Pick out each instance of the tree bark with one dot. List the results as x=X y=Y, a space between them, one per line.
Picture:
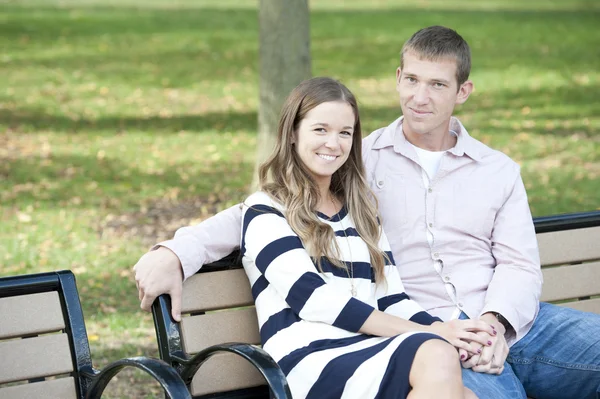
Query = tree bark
x=284 y=62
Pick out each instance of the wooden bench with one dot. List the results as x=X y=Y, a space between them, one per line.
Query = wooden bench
x=218 y=309
x=570 y=255
x=44 y=351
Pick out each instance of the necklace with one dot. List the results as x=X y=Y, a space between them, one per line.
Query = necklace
x=350 y=272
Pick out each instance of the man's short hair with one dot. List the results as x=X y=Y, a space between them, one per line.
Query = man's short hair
x=438 y=42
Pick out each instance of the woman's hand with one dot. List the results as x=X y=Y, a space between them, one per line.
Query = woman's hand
x=460 y=333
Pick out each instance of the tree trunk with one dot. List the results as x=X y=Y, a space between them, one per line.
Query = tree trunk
x=284 y=62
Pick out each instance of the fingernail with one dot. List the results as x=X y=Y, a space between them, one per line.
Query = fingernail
x=493 y=328
x=489 y=342
x=495 y=332
x=478 y=350
x=462 y=357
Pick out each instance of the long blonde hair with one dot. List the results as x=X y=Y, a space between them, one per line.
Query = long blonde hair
x=291 y=183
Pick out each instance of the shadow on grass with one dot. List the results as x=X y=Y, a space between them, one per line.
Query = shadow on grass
x=531 y=109
x=29 y=120
x=579 y=101
x=105 y=184
x=575 y=102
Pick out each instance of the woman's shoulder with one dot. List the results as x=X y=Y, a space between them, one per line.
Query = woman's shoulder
x=262 y=200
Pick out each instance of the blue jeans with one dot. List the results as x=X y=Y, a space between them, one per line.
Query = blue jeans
x=558 y=359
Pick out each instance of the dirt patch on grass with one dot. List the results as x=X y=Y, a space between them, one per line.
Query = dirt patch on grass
x=158 y=220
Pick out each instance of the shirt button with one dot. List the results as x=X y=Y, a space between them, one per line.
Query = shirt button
x=447 y=278
x=436 y=255
x=460 y=305
x=429 y=189
x=380 y=183
x=430 y=224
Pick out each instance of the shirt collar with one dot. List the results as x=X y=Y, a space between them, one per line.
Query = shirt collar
x=393 y=136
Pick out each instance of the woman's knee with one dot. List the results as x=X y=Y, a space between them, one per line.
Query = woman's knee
x=436 y=357
x=439 y=351
x=469 y=394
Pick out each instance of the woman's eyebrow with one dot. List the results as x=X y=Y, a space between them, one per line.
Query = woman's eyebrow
x=327 y=125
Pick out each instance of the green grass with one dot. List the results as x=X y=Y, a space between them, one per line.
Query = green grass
x=122 y=120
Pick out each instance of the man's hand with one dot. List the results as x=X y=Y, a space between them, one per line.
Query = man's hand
x=159 y=272
x=491 y=359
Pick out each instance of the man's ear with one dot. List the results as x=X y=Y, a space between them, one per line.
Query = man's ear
x=464 y=91
x=398 y=77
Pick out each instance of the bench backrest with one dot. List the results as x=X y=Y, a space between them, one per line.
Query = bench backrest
x=38 y=324
x=212 y=314
x=218 y=306
x=570 y=257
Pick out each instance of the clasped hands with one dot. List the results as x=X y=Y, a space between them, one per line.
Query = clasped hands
x=492 y=357
x=488 y=353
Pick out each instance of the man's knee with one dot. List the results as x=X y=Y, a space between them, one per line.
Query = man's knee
x=504 y=386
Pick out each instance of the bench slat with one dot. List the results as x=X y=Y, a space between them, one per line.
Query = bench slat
x=588 y=305
x=225 y=372
x=569 y=246
x=44 y=356
x=239 y=325
x=61 y=388
x=566 y=282
x=33 y=314
x=216 y=290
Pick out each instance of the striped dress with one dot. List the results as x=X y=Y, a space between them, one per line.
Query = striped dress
x=309 y=320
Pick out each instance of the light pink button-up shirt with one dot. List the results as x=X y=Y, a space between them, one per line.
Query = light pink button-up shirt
x=475 y=207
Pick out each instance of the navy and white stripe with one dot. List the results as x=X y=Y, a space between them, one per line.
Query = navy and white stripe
x=308 y=319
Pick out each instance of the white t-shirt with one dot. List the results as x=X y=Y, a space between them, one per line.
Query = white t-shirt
x=430 y=161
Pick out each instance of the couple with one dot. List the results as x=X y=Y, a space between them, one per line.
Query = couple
x=332 y=306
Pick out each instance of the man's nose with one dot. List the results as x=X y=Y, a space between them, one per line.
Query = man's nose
x=421 y=94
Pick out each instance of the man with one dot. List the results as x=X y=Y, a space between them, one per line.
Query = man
x=460 y=228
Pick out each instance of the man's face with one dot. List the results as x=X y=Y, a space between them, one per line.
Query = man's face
x=428 y=94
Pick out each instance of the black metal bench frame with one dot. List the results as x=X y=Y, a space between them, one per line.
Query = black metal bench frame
x=90 y=383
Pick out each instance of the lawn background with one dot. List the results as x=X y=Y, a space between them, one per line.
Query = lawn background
x=121 y=121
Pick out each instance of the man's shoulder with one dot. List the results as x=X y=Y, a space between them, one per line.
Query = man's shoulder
x=371 y=139
x=381 y=137
x=492 y=156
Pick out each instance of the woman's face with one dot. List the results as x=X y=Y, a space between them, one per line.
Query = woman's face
x=324 y=139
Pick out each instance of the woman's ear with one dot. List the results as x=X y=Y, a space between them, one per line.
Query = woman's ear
x=293 y=139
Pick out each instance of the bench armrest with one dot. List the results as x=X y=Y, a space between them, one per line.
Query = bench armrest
x=258 y=357
x=166 y=376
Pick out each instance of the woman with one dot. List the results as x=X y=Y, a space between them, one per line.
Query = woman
x=331 y=307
